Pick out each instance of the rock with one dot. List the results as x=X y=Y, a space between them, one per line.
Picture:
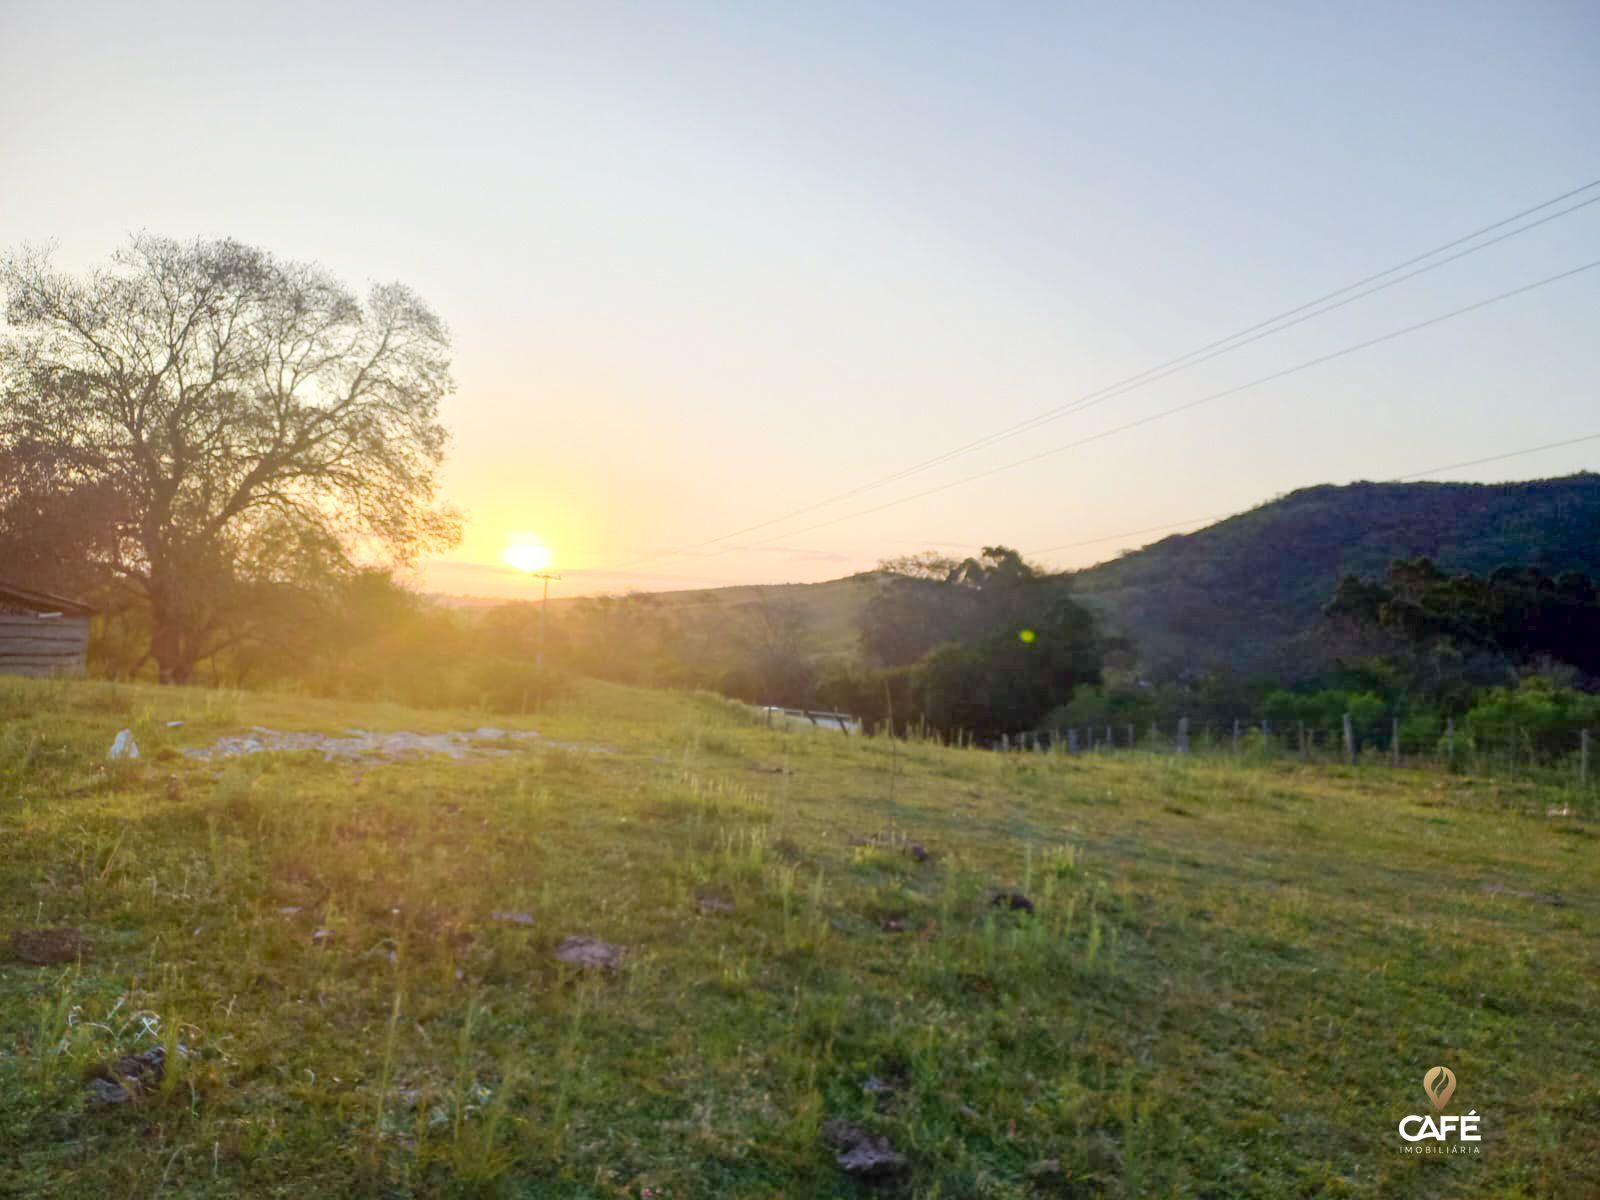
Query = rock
x=1015 y=901
x=917 y=852
x=47 y=947
x=130 y=1077
x=512 y=918
x=894 y=925
x=589 y=952
x=1045 y=1168
x=713 y=906
x=361 y=744
x=123 y=746
x=863 y=1153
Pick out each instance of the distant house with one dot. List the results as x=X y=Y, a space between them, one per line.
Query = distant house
x=41 y=634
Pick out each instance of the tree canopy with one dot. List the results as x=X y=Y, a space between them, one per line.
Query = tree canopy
x=229 y=418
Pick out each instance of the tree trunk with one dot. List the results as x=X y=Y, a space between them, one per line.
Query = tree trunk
x=169 y=644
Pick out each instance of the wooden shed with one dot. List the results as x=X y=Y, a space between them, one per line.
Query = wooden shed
x=41 y=634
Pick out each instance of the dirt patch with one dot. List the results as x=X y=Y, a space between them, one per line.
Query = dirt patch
x=1500 y=889
x=48 y=947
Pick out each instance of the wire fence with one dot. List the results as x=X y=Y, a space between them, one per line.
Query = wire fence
x=1555 y=751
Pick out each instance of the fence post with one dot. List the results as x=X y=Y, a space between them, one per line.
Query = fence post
x=1394 y=741
x=1583 y=760
x=1302 y=739
x=1236 y=735
x=1154 y=734
x=1183 y=735
x=1072 y=741
x=1349 y=742
x=1111 y=741
x=1132 y=741
x=1450 y=742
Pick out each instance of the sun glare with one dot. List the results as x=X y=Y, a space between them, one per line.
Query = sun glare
x=525 y=554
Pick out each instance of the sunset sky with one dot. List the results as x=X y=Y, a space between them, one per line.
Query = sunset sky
x=709 y=264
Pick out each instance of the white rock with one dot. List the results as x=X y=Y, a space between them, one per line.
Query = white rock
x=124 y=746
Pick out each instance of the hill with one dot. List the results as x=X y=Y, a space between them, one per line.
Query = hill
x=1245 y=592
x=832 y=608
x=279 y=974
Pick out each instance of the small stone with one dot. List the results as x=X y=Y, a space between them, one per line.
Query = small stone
x=512 y=918
x=1045 y=1168
x=894 y=925
x=123 y=746
x=321 y=935
x=130 y=1077
x=863 y=1153
x=917 y=852
x=1015 y=901
x=589 y=952
x=47 y=947
x=713 y=906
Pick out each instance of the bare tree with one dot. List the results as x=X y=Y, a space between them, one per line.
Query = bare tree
x=255 y=419
x=779 y=651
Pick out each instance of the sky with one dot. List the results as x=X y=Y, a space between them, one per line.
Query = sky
x=708 y=268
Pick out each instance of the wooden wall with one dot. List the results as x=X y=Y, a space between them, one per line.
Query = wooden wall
x=35 y=645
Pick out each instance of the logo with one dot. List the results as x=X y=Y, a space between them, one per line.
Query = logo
x=1440 y=1084
x=1433 y=1133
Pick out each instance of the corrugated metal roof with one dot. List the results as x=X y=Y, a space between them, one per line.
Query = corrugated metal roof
x=38 y=601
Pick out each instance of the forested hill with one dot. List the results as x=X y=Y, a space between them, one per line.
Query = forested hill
x=1248 y=592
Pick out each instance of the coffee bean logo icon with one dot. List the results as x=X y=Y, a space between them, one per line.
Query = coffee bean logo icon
x=1440 y=1084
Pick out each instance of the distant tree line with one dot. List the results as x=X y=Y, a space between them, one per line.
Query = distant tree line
x=1511 y=656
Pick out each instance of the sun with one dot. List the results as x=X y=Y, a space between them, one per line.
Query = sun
x=527 y=554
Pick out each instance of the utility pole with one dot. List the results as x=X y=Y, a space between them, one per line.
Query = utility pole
x=544 y=603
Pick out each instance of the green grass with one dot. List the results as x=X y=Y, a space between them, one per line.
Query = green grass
x=1234 y=980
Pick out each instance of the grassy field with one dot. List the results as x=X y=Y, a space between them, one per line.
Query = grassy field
x=1232 y=982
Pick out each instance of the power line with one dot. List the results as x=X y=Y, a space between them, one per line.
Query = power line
x=1275 y=325
x=1588 y=437
x=1207 y=399
x=1475 y=462
x=1272 y=325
